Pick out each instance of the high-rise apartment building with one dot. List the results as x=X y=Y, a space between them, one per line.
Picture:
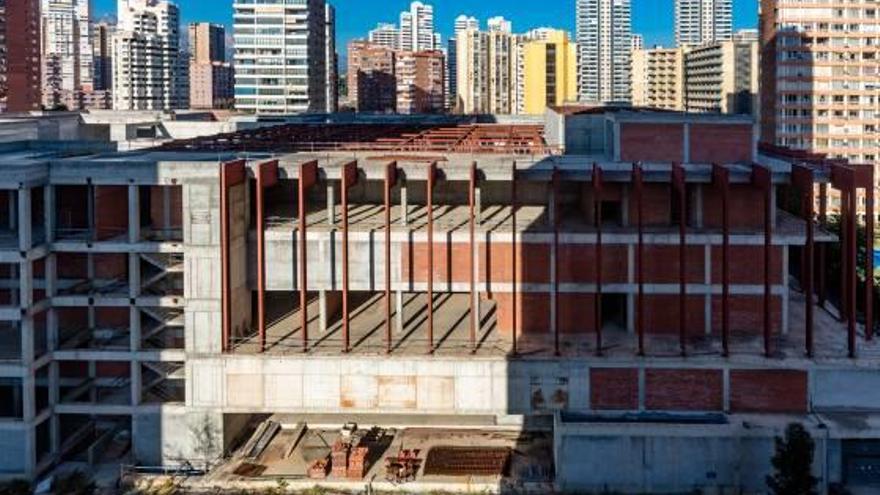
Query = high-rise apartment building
x=19 y=55
x=282 y=60
x=149 y=71
x=486 y=72
x=372 y=85
x=66 y=52
x=820 y=77
x=548 y=72
x=722 y=78
x=604 y=39
x=385 y=34
x=699 y=22
x=499 y=24
x=638 y=42
x=417 y=28
x=102 y=55
x=658 y=78
x=331 y=61
x=420 y=82
x=211 y=78
x=462 y=22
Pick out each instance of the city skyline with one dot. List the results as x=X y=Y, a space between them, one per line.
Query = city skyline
x=354 y=22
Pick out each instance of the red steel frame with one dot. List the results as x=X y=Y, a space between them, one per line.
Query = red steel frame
x=823 y=221
x=349 y=180
x=679 y=183
x=267 y=176
x=597 y=213
x=390 y=182
x=556 y=223
x=231 y=174
x=762 y=177
x=429 y=193
x=472 y=202
x=865 y=180
x=513 y=246
x=845 y=179
x=640 y=307
x=721 y=178
x=308 y=177
x=803 y=178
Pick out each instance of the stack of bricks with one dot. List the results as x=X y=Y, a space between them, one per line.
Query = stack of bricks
x=357 y=463
x=339 y=459
x=318 y=469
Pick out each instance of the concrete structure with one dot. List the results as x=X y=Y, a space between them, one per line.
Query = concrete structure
x=372 y=84
x=699 y=22
x=417 y=28
x=658 y=78
x=548 y=71
x=632 y=309
x=485 y=72
x=20 y=56
x=66 y=52
x=420 y=82
x=211 y=78
x=149 y=72
x=604 y=40
x=722 y=77
x=300 y=83
x=385 y=34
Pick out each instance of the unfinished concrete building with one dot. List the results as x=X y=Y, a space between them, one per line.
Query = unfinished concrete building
x=642 y=293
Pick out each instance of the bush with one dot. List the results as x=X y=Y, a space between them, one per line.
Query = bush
x=793 y=463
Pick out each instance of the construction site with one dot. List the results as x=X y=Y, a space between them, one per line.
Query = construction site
x=458 y=306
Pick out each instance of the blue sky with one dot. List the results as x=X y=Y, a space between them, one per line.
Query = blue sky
x=653 y=18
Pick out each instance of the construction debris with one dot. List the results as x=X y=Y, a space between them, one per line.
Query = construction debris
x=318 y=470
x=261 y=439
x=404 y=467
x=468 y=461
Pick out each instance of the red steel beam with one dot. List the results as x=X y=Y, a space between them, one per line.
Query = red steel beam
x=869 y=257
x=349 y=179
x=823 y=221
x=721 y=178
x=803 y=178
x=597 y=213
x=640 y=274
x=556 y=223
x=231 y=174
x=845 y=179
x=472 y=201
x=680 y=185
x=390 y=181
x=308 y=177
x=513 y=277
x=267 y=176
x=762 y=177
x=429 y=193
x=853 y=245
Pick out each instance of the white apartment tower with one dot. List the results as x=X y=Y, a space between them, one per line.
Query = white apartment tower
x=417 y=28
x=499 y=24
x=385 y=34
x=604 y=38
x=149 y=71
x=462 y=23
x=699 y=22
x=283 y=56
x=485 y=72
x=66 y=51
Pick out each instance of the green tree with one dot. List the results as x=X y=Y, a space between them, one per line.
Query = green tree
x=793 y=463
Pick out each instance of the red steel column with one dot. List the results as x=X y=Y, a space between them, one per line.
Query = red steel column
x=390 y=181
x=853 y=246
x=721 y=177
x=308 y=176
x=432 y=173
x=513 y=245
x=763 y=179
x=845 y=180
x=267 y=176
x=844 y=254
x=231 y=174
x=680 y=184
x=597 y=214
x=556 y=222
x=472 y=200
x=349 y=179
x=869 y=256
x=640 y=308
x=803 y=179
x=823 y=221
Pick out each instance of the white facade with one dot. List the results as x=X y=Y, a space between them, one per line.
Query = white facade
x=499 y=24
x=699 y=22
x=638 y=42
x=66 y=49
x=283 y=56
x=463 y=22
x=604 y=38
x=385 y=34
x=417 y=28
x=149 y=71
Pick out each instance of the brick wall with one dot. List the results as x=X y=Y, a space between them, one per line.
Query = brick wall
x=533 y=313
x=577 y=263
x=747 y=314
x=768 y=391
x=111 y=211
x=661 y=315
x=745 y=204
x=747 y=265
x=651 y=142
x=684 y=390
x=614 y=389
x=656 y=208
x=721 y=143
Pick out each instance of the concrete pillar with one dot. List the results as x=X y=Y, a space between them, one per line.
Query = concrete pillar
x=707 y=281
x=25 y=229
x=631 y=297
x=686 y=151
x=551 y=207
x=10 y=205
x=54 y=399
x=134 y=214
x=26 y=284
x=331 y=203
x=404 y=204
x=697 y=206
x=134 y=275
x=785 y=289
x=26 y=328
x=322 y=309
x=136 y=382
x=399 y=311
x=93 y=373
x=29 y=404
x=49 y=212
x=135 y=333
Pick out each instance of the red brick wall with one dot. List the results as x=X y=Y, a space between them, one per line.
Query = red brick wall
x=656 y=208
x=684 y=390
x=768 y=391
x=111 y=211
x=112 y=369
x=157 y=206
x=532 y=261
x=614 y=389
x=661 y=264
x=747 y=314
x=112 y=317
x=651 y=142
x=533 y=313
x=576 y=313
x=721 y=143
x=111 y=266
x=450 y=261
x=72 y=265
x=577 y=263
x=746 y=207
x=661 y=315
x=747 y=264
